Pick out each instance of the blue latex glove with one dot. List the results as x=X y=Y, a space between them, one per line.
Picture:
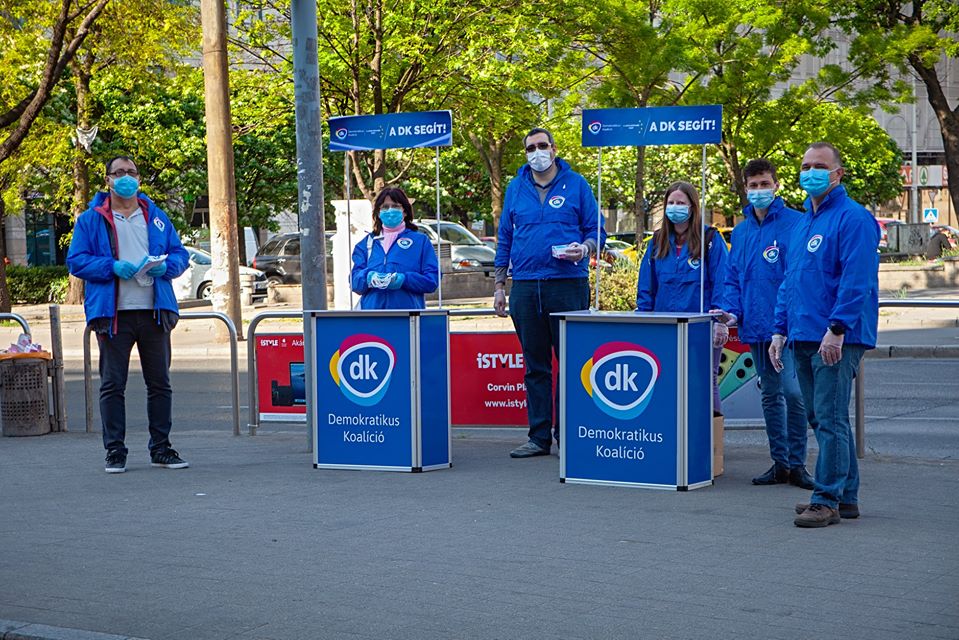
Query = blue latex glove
x=158 y=271
x=124 y=269
x=397 y=280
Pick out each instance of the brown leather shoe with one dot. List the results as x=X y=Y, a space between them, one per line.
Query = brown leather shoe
x=847 y=510
x=817 y=515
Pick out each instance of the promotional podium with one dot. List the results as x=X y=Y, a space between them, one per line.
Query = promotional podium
x=636 y=399
x=381 y=390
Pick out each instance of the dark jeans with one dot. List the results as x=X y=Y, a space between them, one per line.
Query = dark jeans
x=530 y=303
x=827 y=389
x=153 y=345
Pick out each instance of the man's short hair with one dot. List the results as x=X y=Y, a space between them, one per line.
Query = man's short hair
x=109 y=163
x=534 y=131
x=826 y=145
x=759 y=166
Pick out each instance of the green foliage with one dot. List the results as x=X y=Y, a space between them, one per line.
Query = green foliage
x=37 y=285
x=617 y=287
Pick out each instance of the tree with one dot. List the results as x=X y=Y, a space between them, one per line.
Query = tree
x=24 y=25
x=916 y=36
x=635 y=47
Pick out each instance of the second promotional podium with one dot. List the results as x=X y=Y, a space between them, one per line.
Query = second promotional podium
x=636 y=399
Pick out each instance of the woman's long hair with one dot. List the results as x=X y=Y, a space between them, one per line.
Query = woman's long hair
x=398 y=196
x=694 y=234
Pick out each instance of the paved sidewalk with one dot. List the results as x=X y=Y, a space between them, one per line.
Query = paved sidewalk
x=252 y=542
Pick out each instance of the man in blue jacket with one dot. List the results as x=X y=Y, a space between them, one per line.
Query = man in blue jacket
x=129 y=302
x=828 y=306
x=548 y=229
x=754 y=271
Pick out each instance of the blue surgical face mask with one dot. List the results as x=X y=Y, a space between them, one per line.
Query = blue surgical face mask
x=677 y=213
x=126 y=186
x=391 y=217
x=815 y=182
x=761 y=198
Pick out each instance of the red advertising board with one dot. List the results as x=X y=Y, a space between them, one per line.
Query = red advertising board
x=280 y=377
x=486 y=379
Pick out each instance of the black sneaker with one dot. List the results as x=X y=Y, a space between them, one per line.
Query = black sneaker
x=168 y=459
x=116 y=462
x=777 y=474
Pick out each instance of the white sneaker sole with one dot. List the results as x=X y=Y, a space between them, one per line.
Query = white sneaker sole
x=109 y=470
x=180 y=465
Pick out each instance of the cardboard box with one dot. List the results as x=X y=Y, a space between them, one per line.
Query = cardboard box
x=718 y=428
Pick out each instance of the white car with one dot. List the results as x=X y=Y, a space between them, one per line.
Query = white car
x=196 y=282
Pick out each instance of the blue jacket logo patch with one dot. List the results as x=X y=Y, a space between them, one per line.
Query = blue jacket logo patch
x=771 y=254
x=814 y=243
x=159 y=224
x=404 y=243
x=557 y=201
x=693 y=263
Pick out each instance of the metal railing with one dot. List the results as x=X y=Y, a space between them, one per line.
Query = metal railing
x=17 y=318
x=190 y=315
x=860 y=375
x=251 y=360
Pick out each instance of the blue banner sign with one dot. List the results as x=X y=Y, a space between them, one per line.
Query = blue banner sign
x=652 y=126
x=391 y=131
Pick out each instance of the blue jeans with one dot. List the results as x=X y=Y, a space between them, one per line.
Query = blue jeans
x=783 y=409
x=530 y=304
x=828 y=389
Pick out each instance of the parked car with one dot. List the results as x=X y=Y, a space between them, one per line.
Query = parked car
x=489 y=241
x=616 y=250
x=467 y=251
x=279 y=258
x=196 y=282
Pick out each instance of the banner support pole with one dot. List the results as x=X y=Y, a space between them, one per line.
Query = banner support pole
x=439 y=236
x=599 y=221
x=702 y=244
x=349 y=223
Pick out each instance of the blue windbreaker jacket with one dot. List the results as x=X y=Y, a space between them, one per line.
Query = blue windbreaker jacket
x=671 y=283
x=756 y=268
x=411 y=254
x=93 y=251
x=528 y=229
x=832 y=273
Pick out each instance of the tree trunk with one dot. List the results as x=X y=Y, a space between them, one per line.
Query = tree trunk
x=639 y=200
x=82 y=69
x=491 y=152
x=948 y=124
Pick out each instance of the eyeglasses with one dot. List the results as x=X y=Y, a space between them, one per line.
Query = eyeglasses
x=119 y=173
x=542 y=146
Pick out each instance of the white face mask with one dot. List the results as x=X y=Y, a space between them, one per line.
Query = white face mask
x=540 y=160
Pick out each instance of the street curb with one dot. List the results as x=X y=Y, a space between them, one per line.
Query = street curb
x=914 y=351
x=14 y=630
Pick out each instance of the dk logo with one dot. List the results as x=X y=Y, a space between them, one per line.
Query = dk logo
x=620 y=377
x=362 y=368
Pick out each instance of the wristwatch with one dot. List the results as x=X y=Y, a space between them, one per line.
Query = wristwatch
x=837 y=329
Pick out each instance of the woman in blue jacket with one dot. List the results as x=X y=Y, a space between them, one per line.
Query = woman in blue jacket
x=395 y=265
x=669 y=276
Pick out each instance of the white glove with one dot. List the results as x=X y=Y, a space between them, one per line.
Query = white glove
x=727 y=318
x=720 y=334
x=776 y=352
